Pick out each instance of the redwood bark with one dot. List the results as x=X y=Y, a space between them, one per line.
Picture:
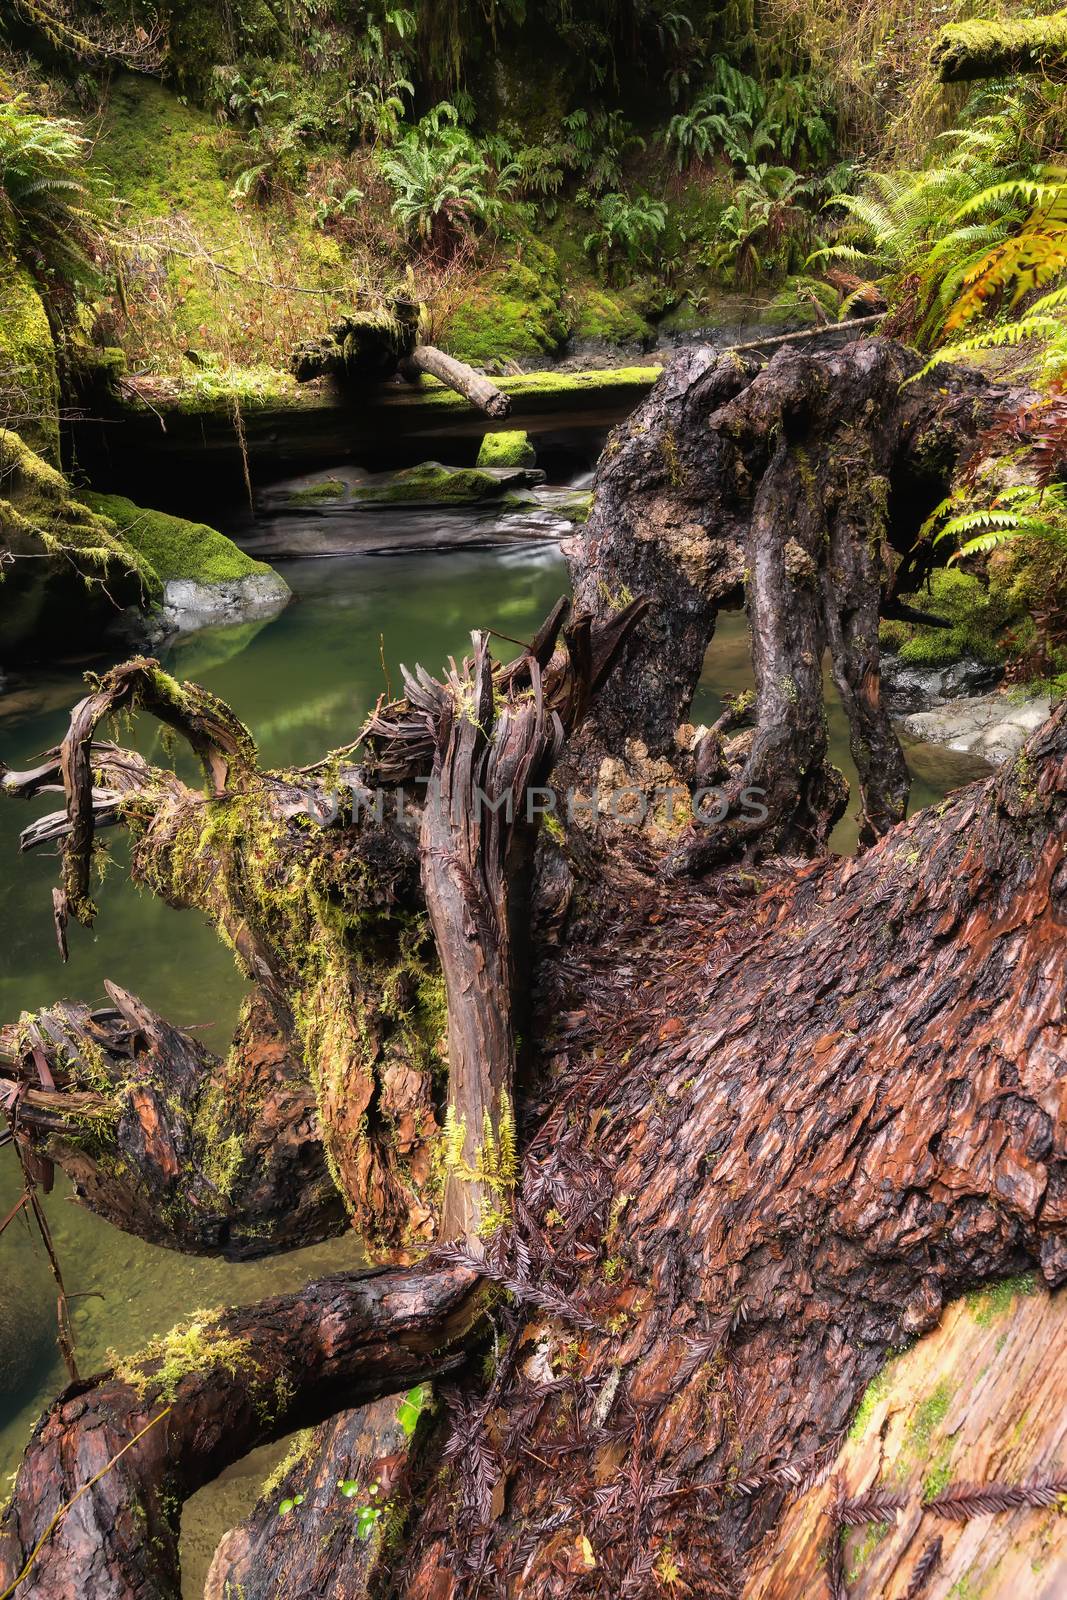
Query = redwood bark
x=283 y=1364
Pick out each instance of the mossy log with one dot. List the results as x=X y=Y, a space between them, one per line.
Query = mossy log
x=365 y=346
x=767 y=1121
x=965 y=51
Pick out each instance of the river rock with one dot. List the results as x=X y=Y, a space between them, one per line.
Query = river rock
x=910 y=688
x=991 y=726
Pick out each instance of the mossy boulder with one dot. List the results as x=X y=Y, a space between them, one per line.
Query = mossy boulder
x=71 y=573
x=515 y=313
x=171 y=546
x=607 y=318
x=29 y=387
x=507 y=449
x=205 y=578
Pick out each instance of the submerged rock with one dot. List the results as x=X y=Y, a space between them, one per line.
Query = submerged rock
x=991 y=726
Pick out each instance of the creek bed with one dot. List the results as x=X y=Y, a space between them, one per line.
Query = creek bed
x=302 y=681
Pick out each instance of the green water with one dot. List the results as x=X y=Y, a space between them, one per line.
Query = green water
x=302 y=682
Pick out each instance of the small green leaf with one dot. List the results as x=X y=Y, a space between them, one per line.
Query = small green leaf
x=285 y=1507
x=298 y=1499
x=411 y=1408
x=348 y=1487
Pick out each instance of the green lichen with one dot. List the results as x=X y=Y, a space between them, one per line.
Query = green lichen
x=989 y=1305
x=509 y=448
x=172 y=546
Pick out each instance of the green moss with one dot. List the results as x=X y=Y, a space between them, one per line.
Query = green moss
x=431 y=483
x=299 y=1449
x=610 y=318
x=508 y=448
x=977 y=613
x=576 y=507
x=928 y=1416
x=38 y=513
x=988 y=1305
x=874 y=1392
x=28 y=382
x=196 y=1345
x=938 y=1478
x=173 y=547
x=990 y=49
x=514 y=313
x=313 y=493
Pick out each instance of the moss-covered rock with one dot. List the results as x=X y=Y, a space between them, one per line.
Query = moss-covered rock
x=508 y=448
x=607 y=318
x=171 y=546
x=71 y=571
x=29 y=388
x=979 y=614
x=515 y=313
x=432 y=484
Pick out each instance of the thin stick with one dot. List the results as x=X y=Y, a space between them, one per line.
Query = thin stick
x=47 y=1534
x=809 y=333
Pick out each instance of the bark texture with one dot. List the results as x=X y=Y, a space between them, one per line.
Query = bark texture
x=792 y=488
x=210 y=1393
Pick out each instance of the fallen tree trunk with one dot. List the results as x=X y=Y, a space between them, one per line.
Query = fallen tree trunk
x=199 y=1401
x=370 y=346
x=966 y=51
x=475 y=386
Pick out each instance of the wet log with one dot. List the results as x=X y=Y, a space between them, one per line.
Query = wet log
x=370 y=346
x=966 y=51
x=786 y=1130
x=222 y=1385
x=474 y=386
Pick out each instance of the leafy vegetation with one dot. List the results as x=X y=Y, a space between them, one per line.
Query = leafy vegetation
x=47 y=205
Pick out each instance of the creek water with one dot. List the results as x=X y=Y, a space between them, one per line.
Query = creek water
x=302 y=681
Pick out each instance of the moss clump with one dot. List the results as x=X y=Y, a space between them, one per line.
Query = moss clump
x=197 y=1345
x=38 y=514
x=173 y=547
x=965 y=51
x=507 y=449
x=28 y=379
x=609 y=318
x=314 y=493
x=432 y=484
x=978 y=615
x=515 y=313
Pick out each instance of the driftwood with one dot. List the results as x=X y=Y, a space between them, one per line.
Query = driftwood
x=767 y=1114
x=369 y=346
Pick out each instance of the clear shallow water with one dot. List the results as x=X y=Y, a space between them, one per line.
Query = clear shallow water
x=302 y=682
